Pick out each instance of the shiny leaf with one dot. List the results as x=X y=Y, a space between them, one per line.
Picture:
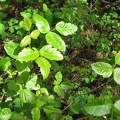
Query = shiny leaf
x=56 y=41
x=12 y=49
x=5 y=114
x=41 y=23
x=117 y=106
x=35 y=113
x=4 y=63
x=59 y=91
x=28 y=54
x=31 y=83
x=44 y=66
x=26 y=96
x=27 y=24
x=51 y=110
x=117 y=75
x=102 y=68
x=35 y=34
x=66 y=85
x=50 y=53
x=66 y=28
x=98 y=107
x=58 y=77
x=25 y=41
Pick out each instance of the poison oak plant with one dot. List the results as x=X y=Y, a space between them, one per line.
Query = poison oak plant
x=26 y=88
x=32 y=83
x=51 y=51
x=2 y=28
x=102 y=106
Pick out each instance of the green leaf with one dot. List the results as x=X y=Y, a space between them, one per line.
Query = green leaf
x=5 y=114
x=44 y=91
x=51 y=110
x=67 y=117
x=2 y=0
x=58 y=77
x=11 y=84
x=22 y=77
x=41 y=23
x=55 y=116
x=66 y=85
x=17 y=116
x=1 y=80
x=17 y=103
x=27 y=24
x=66 y=28
x=56 y=41
x=25 y=15
x=25 y=41
x=35 y=34
x=117 y=58
x=117 y=75
x=102 y=68
x=98 y=107
x=59 y=91
x=45 y=8
x=2 y=28
x=31 y=83
x=35 y=113
x=55 y=66
x=52 y=101
x=77 y=103
x=12 y=49
x=28 y=54
x=41 y=101
x=117 y=106
x=4 y=63
x=26 y=96
x=22 y=66
x=50 y=53
x=44 y=66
